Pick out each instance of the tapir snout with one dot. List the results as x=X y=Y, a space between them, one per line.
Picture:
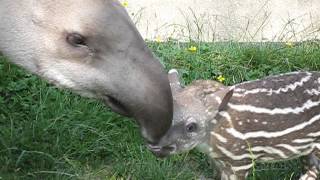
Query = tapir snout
x=93 y=48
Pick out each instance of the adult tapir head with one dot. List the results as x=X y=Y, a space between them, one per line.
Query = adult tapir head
x=93 y=48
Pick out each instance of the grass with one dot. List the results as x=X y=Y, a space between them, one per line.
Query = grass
x=46 y=133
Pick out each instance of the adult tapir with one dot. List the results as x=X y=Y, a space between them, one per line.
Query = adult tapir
x=93 y=48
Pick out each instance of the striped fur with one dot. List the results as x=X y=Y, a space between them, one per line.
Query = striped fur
x=275 y=118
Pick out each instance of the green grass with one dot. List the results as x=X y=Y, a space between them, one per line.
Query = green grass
x=46 y=133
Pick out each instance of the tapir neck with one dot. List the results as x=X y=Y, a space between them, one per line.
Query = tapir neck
x=16 y=30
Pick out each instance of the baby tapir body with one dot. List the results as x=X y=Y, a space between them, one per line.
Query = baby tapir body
x=275 y=118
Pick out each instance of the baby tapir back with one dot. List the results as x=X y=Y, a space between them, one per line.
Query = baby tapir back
x=274 y=118
x=273 y=108
x=270 y=119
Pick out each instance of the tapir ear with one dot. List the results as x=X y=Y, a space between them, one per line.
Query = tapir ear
x=225 y=95
x=174 y=80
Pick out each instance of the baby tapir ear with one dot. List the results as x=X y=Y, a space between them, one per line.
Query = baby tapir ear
x=225 y=96
x=174 y=80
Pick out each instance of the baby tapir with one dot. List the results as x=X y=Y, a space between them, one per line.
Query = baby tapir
x=275 y=118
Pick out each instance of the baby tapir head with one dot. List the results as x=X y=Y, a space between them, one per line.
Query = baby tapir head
x=194 y=107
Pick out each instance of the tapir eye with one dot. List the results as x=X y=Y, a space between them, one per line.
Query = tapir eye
x=76 y=39
x=191 y=127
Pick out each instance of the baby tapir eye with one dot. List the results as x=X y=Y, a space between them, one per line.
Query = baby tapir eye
x=76 y=39
x=191 y=127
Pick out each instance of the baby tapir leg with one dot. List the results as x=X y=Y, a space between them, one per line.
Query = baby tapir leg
x=227 y=172
x=311 y=174
x=313 y=168
x=314 y=160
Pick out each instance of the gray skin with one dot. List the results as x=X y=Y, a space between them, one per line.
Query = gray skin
x=94 y=49
x=190 y=125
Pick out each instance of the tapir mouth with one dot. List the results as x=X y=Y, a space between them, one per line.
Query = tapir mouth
x=162 y=152
x=117 y=106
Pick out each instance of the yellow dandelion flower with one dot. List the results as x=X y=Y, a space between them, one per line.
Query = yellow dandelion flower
x=125 y=3
x=221 y=78
x=289 y=44
x=159 y=40
x=192 y=49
